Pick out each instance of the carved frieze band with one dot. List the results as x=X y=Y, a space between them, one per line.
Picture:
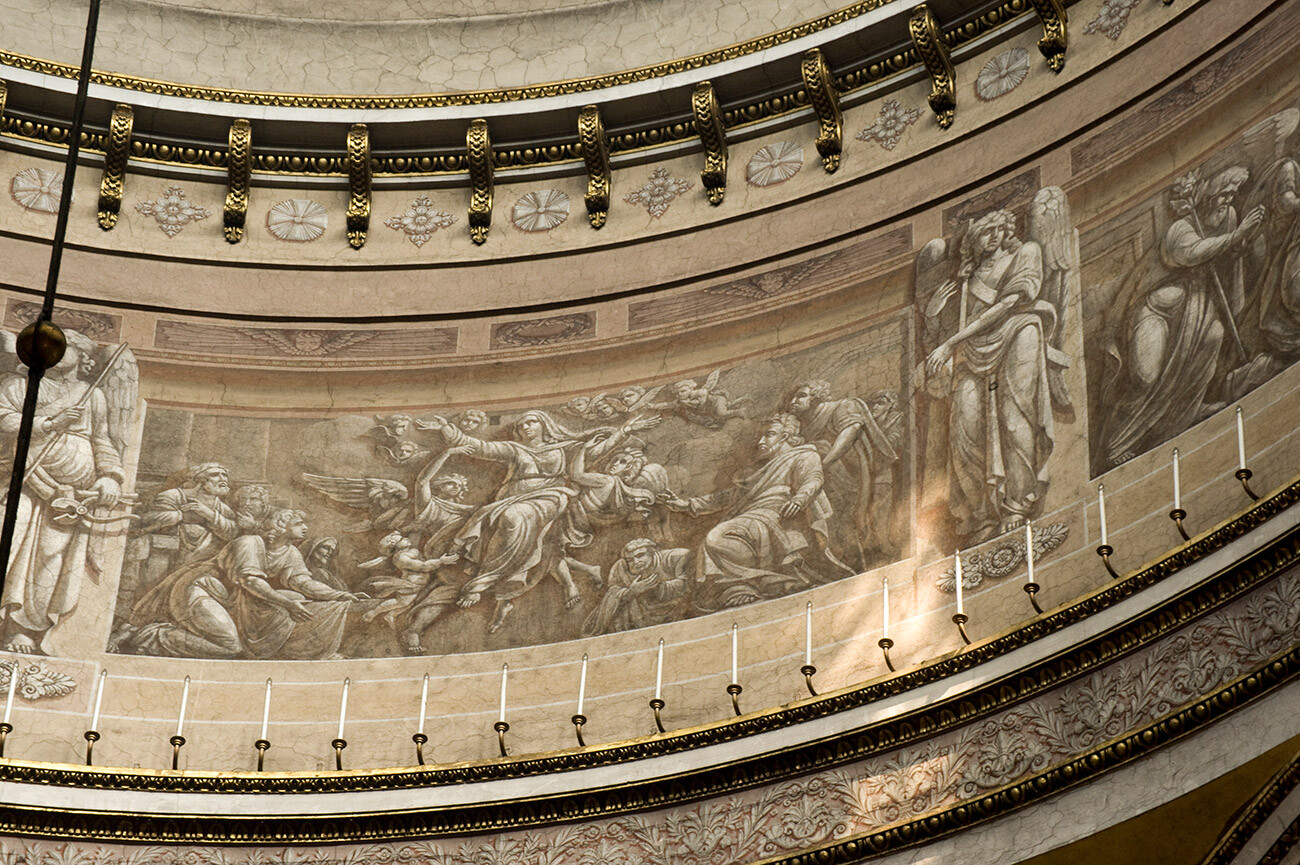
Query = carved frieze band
x=595 y=153
x=239 y=164
x=820 y=86
x=927 y=39
x=116 y=153
x=478 y=152
x=1256 y=815
x=713 y=135
x=1056 y=37
x=358 y=217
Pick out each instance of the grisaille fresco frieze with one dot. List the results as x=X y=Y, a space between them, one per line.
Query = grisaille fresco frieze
x=477 y=528
x=1193 y=298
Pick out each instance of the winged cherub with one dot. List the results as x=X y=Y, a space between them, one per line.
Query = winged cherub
x=704 y=405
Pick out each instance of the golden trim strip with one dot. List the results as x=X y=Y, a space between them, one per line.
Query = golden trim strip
x=1056 y=36
x=359 y=173
x=713 y=135
x=117 y=150
x=1252 y=818
x=820 y=87
x=238 y=174
x=478 y=153
x=593 y=144
x=927 y=39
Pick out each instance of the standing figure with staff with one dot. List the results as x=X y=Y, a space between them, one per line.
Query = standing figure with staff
x=79 y=436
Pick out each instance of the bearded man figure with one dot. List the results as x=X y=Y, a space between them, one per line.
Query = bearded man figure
x=772 y=539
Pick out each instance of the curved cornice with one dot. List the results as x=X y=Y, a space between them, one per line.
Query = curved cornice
x=1220 y=587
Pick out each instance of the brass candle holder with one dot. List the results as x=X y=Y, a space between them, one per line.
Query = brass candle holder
x=92 y=736
x=1031 y=589
x=960 y=620
x=5 y=729
x=419 y=739
x=1244 y=475
x=578 y=721
x=1178 y=515
x=809 y=671
x=338 y=745
x=1105 y=551
x=735 y=691
x=885 y=645
x=501 y=727
x=261 y=745
x=656 y=705
x=176 y=742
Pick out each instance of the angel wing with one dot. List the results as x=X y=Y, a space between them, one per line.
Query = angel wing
x=711 y=383
x=120 y=384
x=369 y=493
x=1049 y=227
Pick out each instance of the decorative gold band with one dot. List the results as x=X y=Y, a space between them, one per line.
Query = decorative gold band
x=927 y=39
x=238 y=175
x=117 y=150
x=708 y=124
x=478 y=151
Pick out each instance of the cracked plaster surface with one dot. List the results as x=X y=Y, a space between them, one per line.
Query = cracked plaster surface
x=390 y=49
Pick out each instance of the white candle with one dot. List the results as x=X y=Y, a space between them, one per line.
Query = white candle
x=424 y=702
x=1101 y=510
x=885 y=631
x=185 y=699
x=659 y=672
x=582 y=684
x=807 y=635
x=1178 y=492
x=505 y=669
x=1241 y=440
x=99 y=699
x=343 y=707
x=1029 y=548
x=266 y=709
x=957 y=581
x=735 y=653
x=13 y=683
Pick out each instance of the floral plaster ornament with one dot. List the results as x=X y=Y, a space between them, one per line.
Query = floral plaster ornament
x=297 y=220
x=37 y=681
x=1002 y=74
x=1112 y=18
x=891 y=123
x=540 y=211
x=659 y=192
x=420 y=221
x=774 y=163
x=37 y=189
x=173 y=211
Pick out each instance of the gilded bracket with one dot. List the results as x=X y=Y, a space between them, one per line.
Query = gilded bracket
x=713 y=135
x=116 y=152
x=927 y=39
x=1056 y=37
x=820 y=87
x=4 y=96
x=358 y=218
x=595 y=153
x=239 y=165
x=478 y=149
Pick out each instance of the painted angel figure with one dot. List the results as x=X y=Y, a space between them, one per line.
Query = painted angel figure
x=84 y=418
x=704 y=405
x=388 y=501
x=995 y=367
x=604 y=407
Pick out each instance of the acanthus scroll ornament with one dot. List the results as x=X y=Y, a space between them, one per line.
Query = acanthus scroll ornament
x=927 y=39
x=239 y=165
x=358 y=216
x=116 y=152
x=1056 y=37
x=713 y=135
x=820 y=87
x=478 y=149
x=595 y=153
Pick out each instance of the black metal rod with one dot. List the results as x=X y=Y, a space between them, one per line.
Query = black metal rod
x=35 y=369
